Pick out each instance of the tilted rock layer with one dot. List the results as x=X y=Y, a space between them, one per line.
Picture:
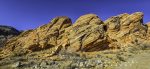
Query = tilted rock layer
x=89 y=33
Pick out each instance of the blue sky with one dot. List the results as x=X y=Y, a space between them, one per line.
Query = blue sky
x=29 y=14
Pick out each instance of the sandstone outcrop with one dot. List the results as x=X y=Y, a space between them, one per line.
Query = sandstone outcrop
x=86 y=34
x=89 y=33
x=125 y=29
x=44 y=37
x=87 y=43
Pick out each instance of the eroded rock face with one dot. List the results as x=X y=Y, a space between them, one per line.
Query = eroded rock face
x=86 y=34
x=7 y=32
x=126 y=29
x=44 y=37
x=89 y=33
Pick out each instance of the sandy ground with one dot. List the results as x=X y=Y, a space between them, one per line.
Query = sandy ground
x=140 y=61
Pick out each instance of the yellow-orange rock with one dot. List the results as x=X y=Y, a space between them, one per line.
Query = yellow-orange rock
x=89 y=33
x=43 y=37
x=126 y=29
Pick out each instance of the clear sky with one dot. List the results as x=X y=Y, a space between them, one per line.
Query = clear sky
x=29 y=14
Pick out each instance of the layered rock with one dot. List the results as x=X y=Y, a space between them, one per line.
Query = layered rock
x=44 y=37
x=89 y=33
x=125 y=29
x=86 y=34
x=7 y=32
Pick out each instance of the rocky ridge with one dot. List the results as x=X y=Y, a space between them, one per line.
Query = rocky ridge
x=86 y=41
x=7 y=32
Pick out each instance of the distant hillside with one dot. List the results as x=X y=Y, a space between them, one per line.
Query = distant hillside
x=6 y=32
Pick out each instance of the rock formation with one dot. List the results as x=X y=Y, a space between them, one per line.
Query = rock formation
x=88 y=34
x=124 y=30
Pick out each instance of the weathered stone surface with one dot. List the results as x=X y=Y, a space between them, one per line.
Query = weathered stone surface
x=148 y=30
x=87 y=37
x=89 y=33
x=87 y=19
x=125 y=29
x=44 y=37
x=86 y=34
x=88 y=43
